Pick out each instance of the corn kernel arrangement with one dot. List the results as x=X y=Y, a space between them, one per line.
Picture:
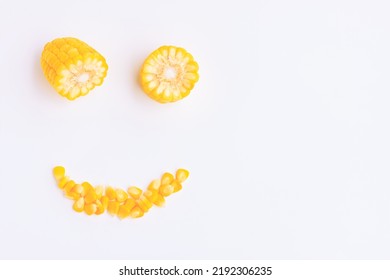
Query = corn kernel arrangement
x=169 y=74
x=132 y=203
x=72 y=67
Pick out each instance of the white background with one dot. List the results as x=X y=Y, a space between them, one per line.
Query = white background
x=286 y=134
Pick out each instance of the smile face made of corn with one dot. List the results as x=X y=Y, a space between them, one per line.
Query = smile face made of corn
x=74 y=68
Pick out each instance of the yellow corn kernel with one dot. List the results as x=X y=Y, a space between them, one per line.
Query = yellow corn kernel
x=104 y=200
x=110 y=193
x=78 y=205
x=167 y=178
x=134 y=202
x=169 y=74
x=121 y=195
x=86 y=187
x=79 y=189
x=69 y=186
x=99 y=192
x=176 y=186
x=91 y=196
x=72 y=195
x=142 y=206
x=113 y=207
x=167 y=190
x=72 y=67
x=154 y=185
x=90 y=209
x=59 y=173
x=144 y=203
x=63 y=181
x=123 y=212
x=160 y=200
x=134 y=192
x=182 y=175
x=136 y=212
x=130 y=203
x=151 y=195
x=99 y=207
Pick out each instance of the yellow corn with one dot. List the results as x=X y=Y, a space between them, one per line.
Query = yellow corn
x=169 y=74
x=144 y=203
x=134 y=192
x=69 y=186
x=121 y=195
x=167 y=190
x=151 y=195
x=91 y=196
x=59 y=173
x=99 y=190
x=154 y=185
x=176 y=186
x=99 y=207
x=159 y=201
x=136 y=212
x=73 y=192
x=113 y=207
x=78 y=206
x=182 y=175
x=63 y=182
x=90 y=208
x=110 y=193
x=167 y=178
x=72 y=67
x=130 y=203
x=123 y=212
x=73 y=195
x=104 y=200
x=133 y=203
x=79 y=189
x=86 y=187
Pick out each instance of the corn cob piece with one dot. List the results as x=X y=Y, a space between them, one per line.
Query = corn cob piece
x=169 y=74
x=134 y=203
x=72 y=67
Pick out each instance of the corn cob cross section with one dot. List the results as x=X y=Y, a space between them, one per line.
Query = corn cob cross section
x=169 y=74
x=132 y=203
x=72 y=67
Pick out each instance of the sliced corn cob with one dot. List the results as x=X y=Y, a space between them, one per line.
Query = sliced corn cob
x=133 y=203
x=72 y=67
x=169 y=74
